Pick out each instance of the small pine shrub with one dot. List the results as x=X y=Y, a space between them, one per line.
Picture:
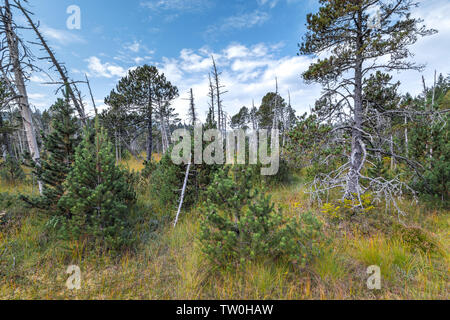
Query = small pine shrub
x=11 y=171
x=98 y=197
x=283 y=175
x=11 y=211
x=57 y=156
x=240 y=224
x=166 y=180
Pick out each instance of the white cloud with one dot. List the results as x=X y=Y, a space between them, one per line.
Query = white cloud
x=106 y=70
x=135 y=47
x=246 y=74
x=238 y=22
x=176 y=5
x=273 y=3
x=246 y=20
x=39 y=79
x=40 y=100
x=270 y=3
x=431 y=51
x=63 y=37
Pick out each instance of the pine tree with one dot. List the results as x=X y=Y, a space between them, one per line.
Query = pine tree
x=58 y=155
x=241 y=119
x=344 y=29
x=11 y=171
x=142 y=91
x=241 y=224
x=98 y=196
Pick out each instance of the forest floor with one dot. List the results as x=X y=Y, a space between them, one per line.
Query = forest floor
x=168 y=263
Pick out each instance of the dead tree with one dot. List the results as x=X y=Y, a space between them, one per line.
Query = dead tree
x=211 y=96
x=221 y=125
x=18 y=82
x=67 y=84
x=183 y=191
x=192 y=112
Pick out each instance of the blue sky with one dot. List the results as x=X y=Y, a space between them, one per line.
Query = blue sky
x=254 y=41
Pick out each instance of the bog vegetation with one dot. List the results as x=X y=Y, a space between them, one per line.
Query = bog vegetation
x=363 y=179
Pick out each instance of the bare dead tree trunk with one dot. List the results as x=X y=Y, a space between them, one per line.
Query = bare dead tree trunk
x=357 y=152
x=164 y=127
x=275 y=108
x=19 y=80
x=253 y=115
x=62 y=72
x=391 y=146
x=434 y=90
x=432 y=105
x=406 y=138
x=150 y=137
x=150 y=123
x=183 y=191
x=92 y=95
x=217 y=86
x=212 y=96
x=192 y=112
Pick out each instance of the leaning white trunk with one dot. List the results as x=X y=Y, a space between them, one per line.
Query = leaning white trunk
x=183 y=191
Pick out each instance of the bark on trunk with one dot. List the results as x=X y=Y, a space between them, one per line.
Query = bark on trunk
x=183 y=191
x=58 y=67
x=20 y=85
x=150 y=137
x=357 y=152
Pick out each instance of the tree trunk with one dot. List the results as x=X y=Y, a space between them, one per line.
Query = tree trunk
x=150 y=122
x=357 y=152
x=183 y=191
x=150 y=137
x=391 y=142
x=57 y=65
x=406 y=138
x=20 y=85
x=116 y=147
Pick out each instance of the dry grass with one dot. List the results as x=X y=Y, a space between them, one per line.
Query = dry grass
x=170 y=265
x=137 y=165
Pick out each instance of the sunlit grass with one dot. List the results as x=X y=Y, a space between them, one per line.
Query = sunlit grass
x=171 y=265
x=137 y=165
x=19 y=188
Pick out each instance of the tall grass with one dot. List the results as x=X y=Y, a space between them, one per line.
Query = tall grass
x=169 y=264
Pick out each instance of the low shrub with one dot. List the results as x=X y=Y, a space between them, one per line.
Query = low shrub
x=240 y=224
x=98 y=195
x=11 y=171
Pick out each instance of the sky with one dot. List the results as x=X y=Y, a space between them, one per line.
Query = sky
x=253 y=41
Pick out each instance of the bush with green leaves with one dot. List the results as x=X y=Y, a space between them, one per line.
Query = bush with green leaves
x=240 y=224
x=98 y=197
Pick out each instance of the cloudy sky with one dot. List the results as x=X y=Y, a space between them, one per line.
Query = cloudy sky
x=253 y=41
